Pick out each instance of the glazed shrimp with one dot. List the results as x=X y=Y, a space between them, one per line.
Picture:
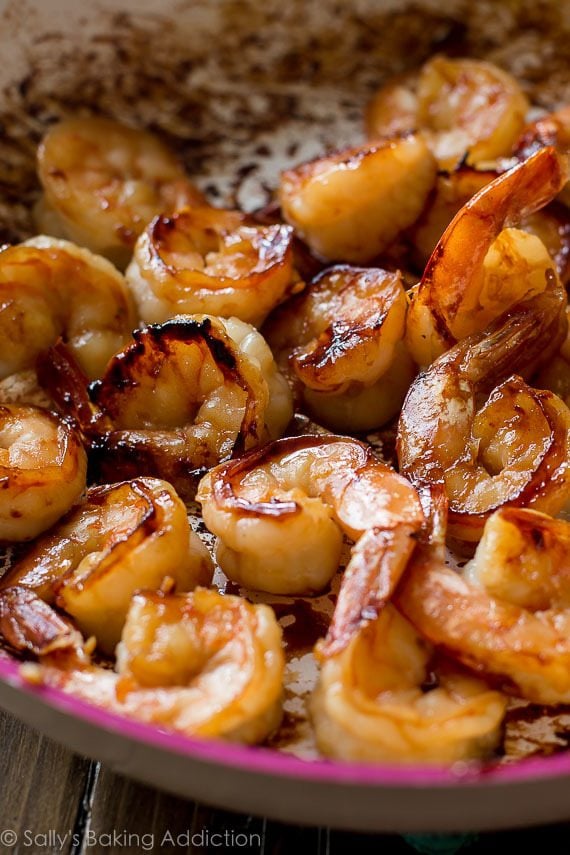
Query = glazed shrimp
x=509 y=616
x=480 y=268
x=119 y=539
x=512 y=450
x=200 y=663
x=461 y=106
x=103 y=182
x=342 y=340
x=43 y=470
x=208 y=260
x=454 y=189
x=181 y=397
x=351 y=205
x=550 y=130
x=51 y=288
x=308 y=491
x=374 y=702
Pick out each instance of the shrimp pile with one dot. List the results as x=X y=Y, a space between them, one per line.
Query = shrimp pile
x=412 y=286
x=204 y=260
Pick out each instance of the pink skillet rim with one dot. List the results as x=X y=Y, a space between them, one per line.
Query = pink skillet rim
x=267 y=761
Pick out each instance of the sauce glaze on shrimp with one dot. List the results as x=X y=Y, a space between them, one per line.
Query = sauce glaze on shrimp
x=342 y=341
x=121 y=538
x=309 y=491
x=204 y=260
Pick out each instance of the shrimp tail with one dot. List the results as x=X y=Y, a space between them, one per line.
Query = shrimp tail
x=376 y=566
x=29 y=625
x=68 y=386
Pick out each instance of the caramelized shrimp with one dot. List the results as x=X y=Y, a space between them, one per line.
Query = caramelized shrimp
x=349 y=206
x=550 y=130
x=481 y=266
x=200 y=663
x=208 y=260
x=51 y=288
x=509 y=616
x=454 y=189
x=181 y=397
x=342 y=340
x=121 y=538
x=308 y=491
x=372 y=702
x=514 y=449
x=103 y=182
x=461 y=106
x=42 y=471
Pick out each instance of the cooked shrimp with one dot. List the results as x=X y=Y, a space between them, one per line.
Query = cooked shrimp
x=342 y=339
x=208 y=260
x=198 y=664
x=308 y=491
x=556 y=373
x=349 y=206
x=121 y=538
x=462 y=107
x=454 y=189
x=103 y=182
x=523 y=558
x=552 y=129
x=479 y=268
x=181 y=397
x=42 y=471
x=51 y=288
x=372 y=704
x=512 y=450
x=509 y=616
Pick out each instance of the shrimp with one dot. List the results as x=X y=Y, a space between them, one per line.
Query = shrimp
x=550 y=130
x=479 y=268
x=376 y=701
x=119 y=539
x=103 y=182
x=181 y=397
x=514 y=449
x=208 y=260
x=349 y=206
x=197 y=663
x=43 y=470
x=508 y=616
x=51 y=288
x=461 y=106
x=309 y=491
x=342 y=340
x=454 y=189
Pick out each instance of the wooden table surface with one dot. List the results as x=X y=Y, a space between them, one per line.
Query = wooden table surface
x=53 y=801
